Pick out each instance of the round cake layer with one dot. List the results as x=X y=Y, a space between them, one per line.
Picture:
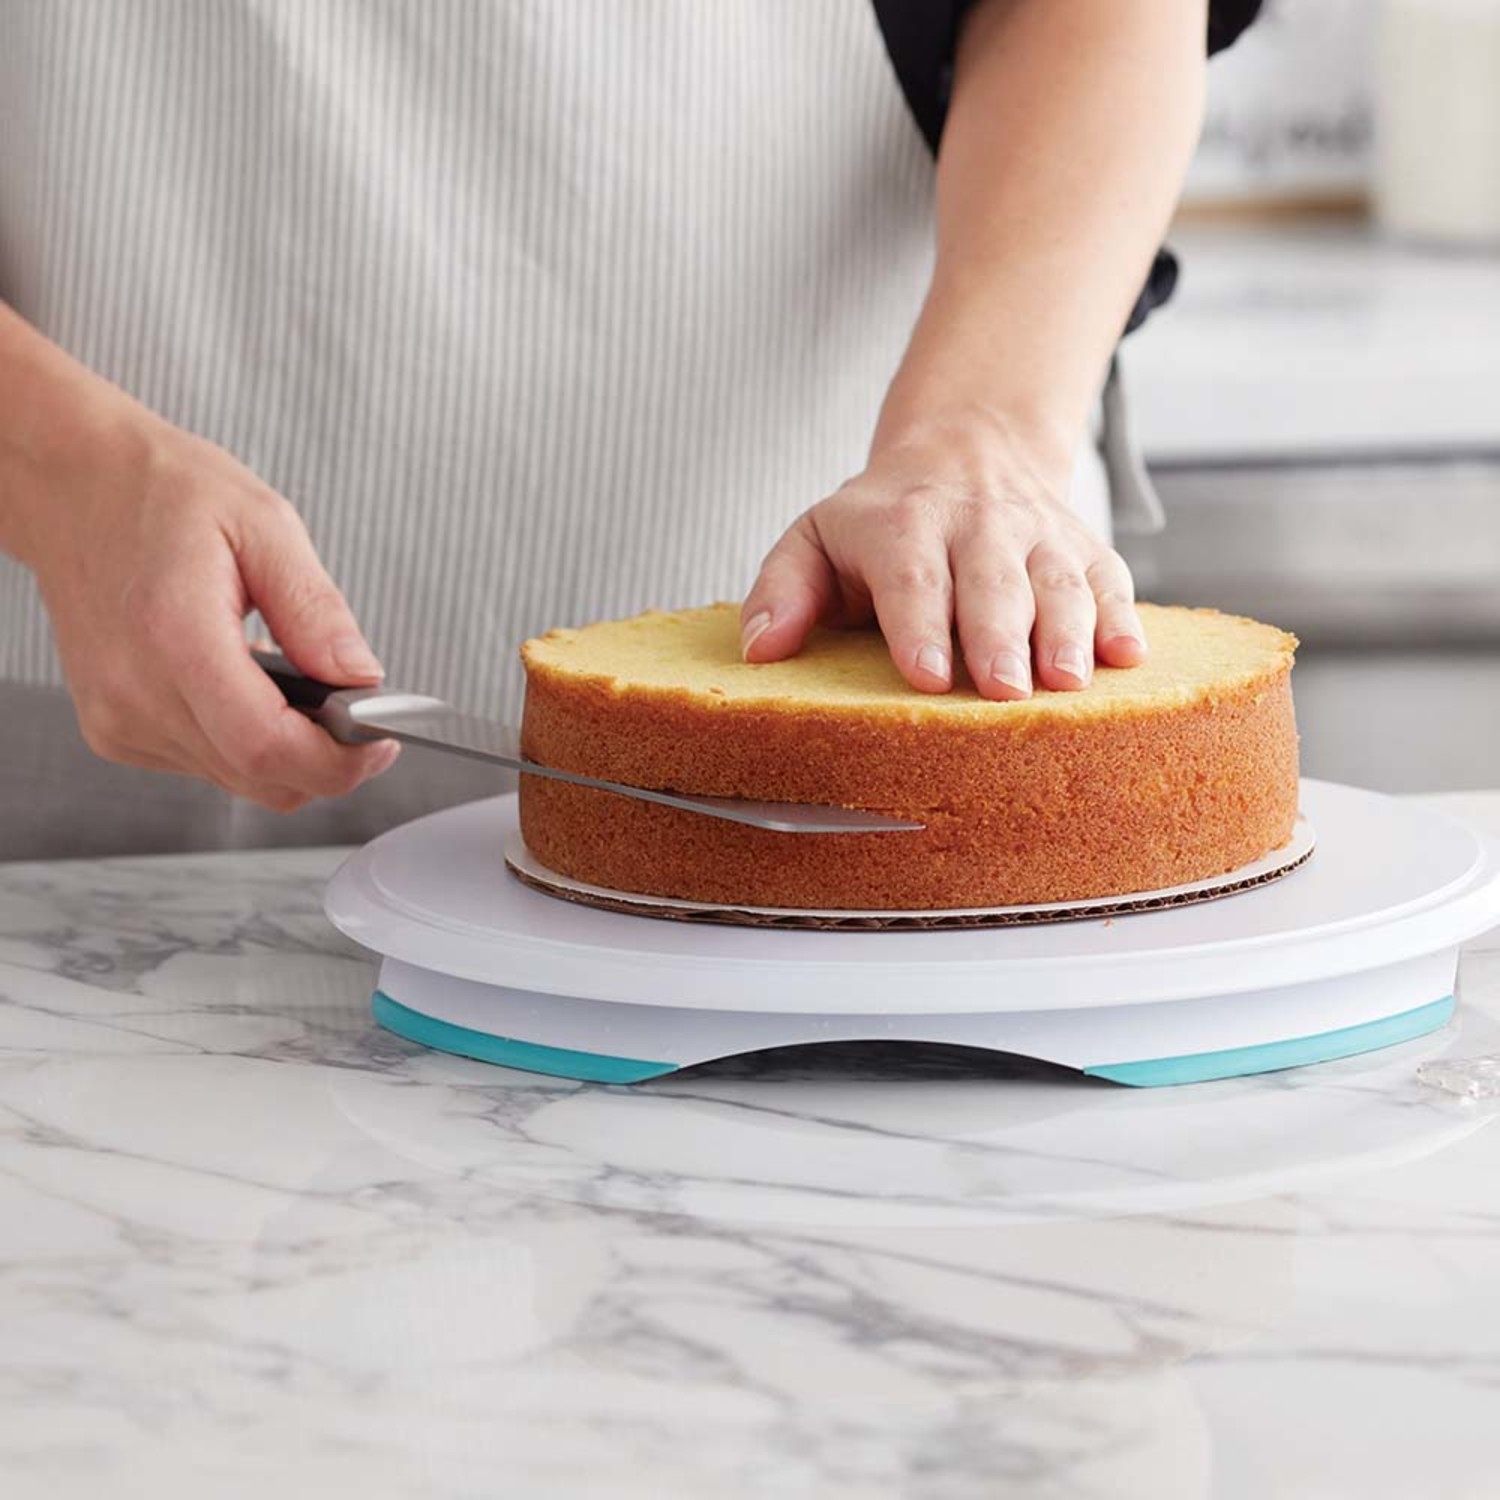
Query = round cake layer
x=1173 y=771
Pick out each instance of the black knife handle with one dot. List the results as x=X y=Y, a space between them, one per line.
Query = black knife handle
x=302 y=692
x=327 y=706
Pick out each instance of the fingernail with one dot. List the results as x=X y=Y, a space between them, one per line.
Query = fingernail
x=1070 y=659
x=355 y=659
x=755 y=627
x=934 y=661
x=1012 y=670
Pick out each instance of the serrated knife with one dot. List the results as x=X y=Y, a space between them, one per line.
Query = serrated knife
x=354 y=716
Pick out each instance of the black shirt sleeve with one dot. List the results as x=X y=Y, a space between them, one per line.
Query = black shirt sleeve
x=921 y=36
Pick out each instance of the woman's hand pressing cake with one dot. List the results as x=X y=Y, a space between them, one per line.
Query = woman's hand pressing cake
x=944 y=540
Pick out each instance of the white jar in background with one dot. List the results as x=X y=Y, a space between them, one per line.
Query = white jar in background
x=1437 y=159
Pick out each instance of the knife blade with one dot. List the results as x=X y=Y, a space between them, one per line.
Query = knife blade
x=354 y=716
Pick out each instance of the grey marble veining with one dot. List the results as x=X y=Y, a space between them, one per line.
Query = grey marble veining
x=250 y=1244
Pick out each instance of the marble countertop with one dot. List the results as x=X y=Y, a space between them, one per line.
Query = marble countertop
x=250 y=1244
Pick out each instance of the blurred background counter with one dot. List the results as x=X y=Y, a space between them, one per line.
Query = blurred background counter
x=1320 y=406
x=1320 y=410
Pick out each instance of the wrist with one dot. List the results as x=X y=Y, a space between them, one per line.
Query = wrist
x=995 y=447
x=979 y=376
x=62 y=425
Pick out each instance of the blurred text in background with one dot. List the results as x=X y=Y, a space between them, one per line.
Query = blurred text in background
x=1320 y=406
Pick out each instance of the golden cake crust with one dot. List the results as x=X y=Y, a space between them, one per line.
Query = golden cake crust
x=1174 y=771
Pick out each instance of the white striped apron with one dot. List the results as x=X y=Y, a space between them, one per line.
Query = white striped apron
x=540 y=311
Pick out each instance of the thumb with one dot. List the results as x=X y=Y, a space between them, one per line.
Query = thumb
x=796 y=587
x=300 y=603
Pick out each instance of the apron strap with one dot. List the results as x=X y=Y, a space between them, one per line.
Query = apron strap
x=1135 y=505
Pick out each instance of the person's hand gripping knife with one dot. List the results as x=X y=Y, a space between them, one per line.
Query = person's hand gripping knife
x=1070 y=129
x=150 y=546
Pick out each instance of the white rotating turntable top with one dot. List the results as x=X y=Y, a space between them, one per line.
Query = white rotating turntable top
x=1354 y=950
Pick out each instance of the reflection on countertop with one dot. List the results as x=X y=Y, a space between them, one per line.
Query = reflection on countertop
x=251 y=1240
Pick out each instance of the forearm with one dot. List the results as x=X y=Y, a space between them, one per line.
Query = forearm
x=1070 y=129
x=55 y=416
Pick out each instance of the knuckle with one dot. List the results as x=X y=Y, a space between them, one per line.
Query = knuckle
x=1059 y=579
x=268 y=519
x=101 y=739
x=994 y=581
x=774 y=557
x=261 y=756
x=1110 y=574
x=307 y=598
x=270 y=506
x=912 y=576
x=918 y=508
x=969 y=509
x=336 y=780
x=787 y=561
x=1011 y=501
x=290 y=525
x=103 y=723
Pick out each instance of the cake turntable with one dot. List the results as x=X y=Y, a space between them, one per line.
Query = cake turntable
x=1351 y=950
